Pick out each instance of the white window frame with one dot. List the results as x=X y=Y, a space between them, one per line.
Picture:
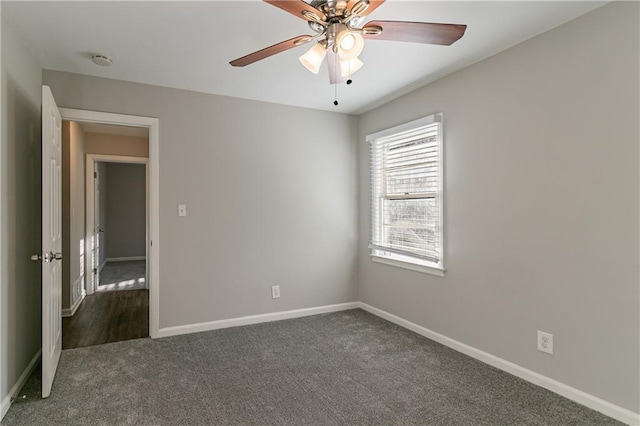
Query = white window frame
x=395 y=259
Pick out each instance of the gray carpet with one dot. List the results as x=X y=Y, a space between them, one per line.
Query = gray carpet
x=126 y=275
x=345 y=368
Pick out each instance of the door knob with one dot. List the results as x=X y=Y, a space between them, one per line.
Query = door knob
x=46 y=257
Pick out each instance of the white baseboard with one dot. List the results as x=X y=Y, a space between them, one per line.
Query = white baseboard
x=254 y=319
x=102 y=266
x=125 y=259
x=588 y=400
x=69 y=312
x=6 y=401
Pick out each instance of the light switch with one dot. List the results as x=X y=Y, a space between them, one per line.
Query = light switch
x=182 y=209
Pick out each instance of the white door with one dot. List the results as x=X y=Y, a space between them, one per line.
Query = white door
x=93 y=225
x=51 y=239
x=97 y=226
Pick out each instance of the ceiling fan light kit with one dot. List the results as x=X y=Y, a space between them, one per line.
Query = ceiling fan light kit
x=348 y=68
x=349 y=44
x=314 y=57
x=336 y=25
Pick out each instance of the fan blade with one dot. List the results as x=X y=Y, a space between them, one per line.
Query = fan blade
x=373 y=5
x=271 y=50
x=296 y=7
x=335 y=73
x=417 y=32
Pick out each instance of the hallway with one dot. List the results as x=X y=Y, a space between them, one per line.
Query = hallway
x=106 y=317
x=111 y=314
x=127 y=275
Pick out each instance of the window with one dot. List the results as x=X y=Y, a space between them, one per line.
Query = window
x=406 y=195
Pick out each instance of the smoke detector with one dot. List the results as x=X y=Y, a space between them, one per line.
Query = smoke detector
x=101 y=60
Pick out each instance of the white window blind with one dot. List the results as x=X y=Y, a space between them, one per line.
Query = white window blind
x=406 y=192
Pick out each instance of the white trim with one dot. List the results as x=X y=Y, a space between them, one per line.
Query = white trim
x=3 y=346
x=69 y=312
x=106 y=118
x=153 y=262
x=153 y=196
x=125 y=259
x=408 y=265
x=101 y=267
x=17 y=387
x=420 y=122
x=254 y=319
x=576 y=395
x=104 y=158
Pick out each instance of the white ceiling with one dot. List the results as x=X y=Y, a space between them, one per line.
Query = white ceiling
x=188 y=45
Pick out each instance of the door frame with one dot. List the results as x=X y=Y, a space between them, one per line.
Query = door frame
x=91 y=160
x=153 y=194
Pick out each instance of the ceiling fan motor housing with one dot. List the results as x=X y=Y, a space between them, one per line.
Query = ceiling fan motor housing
x=337 y=11
x=331 y=8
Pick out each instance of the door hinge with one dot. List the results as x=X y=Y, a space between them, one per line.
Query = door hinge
x=95 y=175
x=95 y=270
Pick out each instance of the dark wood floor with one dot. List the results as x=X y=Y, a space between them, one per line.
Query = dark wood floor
x=106 y=317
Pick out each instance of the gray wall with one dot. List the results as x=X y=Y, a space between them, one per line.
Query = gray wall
x=73 y=207
x=129 y=146
x=126 y=210
x=541 y=193
x=271 y=194
x=20 y=208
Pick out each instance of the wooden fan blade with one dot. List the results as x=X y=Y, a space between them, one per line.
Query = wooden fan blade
x=417 y=32
x=373 y=5
x=296 y=7
x=335 y=73
x=270 y=51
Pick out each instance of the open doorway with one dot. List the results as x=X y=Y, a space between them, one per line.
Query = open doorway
x=120 y=219
x=74 y=220
x=106 y=231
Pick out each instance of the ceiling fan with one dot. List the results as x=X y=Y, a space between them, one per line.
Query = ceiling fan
x=339 y=37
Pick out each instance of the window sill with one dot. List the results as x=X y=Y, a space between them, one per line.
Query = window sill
x=431 y=270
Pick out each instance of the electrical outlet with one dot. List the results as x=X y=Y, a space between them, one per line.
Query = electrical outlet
x=545 y=342
x=275 y=291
